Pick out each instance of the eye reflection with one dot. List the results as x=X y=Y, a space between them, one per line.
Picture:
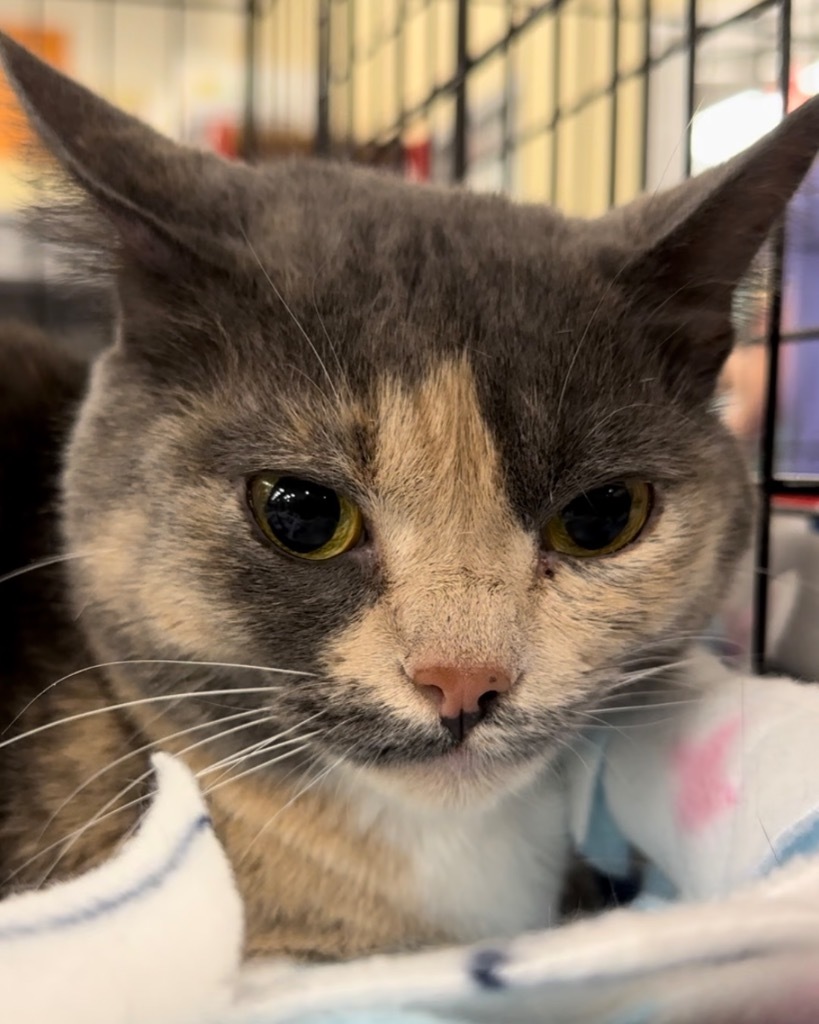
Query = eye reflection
x=303 y=517
x=602 y=520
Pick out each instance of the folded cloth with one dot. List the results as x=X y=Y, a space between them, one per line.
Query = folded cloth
x=152 y=936
x=718 y=791
x=715 y=789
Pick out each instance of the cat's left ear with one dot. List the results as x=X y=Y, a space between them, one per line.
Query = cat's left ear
x=166 y=203
x=683 y=252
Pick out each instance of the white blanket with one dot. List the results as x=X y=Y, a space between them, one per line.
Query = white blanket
x=154 y=936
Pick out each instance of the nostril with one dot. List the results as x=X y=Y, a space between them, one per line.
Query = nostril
x=487 y=701
x=433 y=693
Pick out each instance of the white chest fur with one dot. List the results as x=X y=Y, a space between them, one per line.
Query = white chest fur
x=481 y=872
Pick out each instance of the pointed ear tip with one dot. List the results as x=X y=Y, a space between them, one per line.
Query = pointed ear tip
x=24 y=70
x=9 y=49
x=13 y=60
x=7 y=45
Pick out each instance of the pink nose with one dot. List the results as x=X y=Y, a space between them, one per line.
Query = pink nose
x=462 y=695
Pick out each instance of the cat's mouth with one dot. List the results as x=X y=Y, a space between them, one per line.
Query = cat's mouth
x=397 y=752
x=439 y=748
x=383 y=738
x=487 y=758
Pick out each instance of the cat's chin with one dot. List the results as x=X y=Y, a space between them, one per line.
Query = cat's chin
x=462 y=778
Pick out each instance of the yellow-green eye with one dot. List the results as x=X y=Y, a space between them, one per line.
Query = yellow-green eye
x=304 y=518
x=601 y=520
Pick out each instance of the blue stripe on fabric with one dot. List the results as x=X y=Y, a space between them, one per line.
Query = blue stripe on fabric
x=799 y=841
x=111 y=903
x=484 y=965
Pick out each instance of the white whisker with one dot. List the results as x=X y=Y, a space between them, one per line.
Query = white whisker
x=582 y=341
x=642 y=707
x=156 y=743
x=158 y=699
x=308 y=786
x=262 y=745
x=258 y=767
x=242 y=757
x=68 y=841
x=43 y=563
x=292 y=316
x=152 y=661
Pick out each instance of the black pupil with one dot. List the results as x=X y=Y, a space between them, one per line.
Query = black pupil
x=302 y=515
x=597 y=518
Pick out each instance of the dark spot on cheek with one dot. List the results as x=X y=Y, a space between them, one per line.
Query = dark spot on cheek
x=547 y=564
x=484 y=966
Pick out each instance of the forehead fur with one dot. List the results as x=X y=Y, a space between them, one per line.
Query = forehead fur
x=347 y=278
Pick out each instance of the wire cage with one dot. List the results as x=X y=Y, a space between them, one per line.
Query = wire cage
x=580 y=103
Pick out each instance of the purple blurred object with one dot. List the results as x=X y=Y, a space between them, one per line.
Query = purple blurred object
x=797 y=451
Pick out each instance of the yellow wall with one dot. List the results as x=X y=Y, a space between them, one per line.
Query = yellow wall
x=149 y=71
x=584 y=29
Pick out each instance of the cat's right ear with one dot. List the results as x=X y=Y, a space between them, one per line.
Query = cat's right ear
x=163 y=201
x=684 y=252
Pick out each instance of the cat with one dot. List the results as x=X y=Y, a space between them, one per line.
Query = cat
x=378 y=495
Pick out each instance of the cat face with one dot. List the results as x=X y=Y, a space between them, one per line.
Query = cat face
x=460 y=408
x=494 y=422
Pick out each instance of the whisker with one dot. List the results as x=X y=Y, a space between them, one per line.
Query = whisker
x=599 y=722
x=627 y=679
x=643 y=707
x=653 y=691
x=599 y=424
x=261 y=746
x=158 y=699
x=665 y=666
x=243 y=756
x=155 y=743
x=76 y=833
x=566 y=744
x=68 y=841
x=43 y=563
x=292 y=316
x=774 y=573
x=259 y=767
x=323 y=326
x=582 y=339
x=310 y=785
x=152 y=661
x=691 y=638
x=675 y=151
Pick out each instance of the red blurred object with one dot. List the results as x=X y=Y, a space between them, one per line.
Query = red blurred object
x=796 y=503
x=223 y=137
x=417 y=160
